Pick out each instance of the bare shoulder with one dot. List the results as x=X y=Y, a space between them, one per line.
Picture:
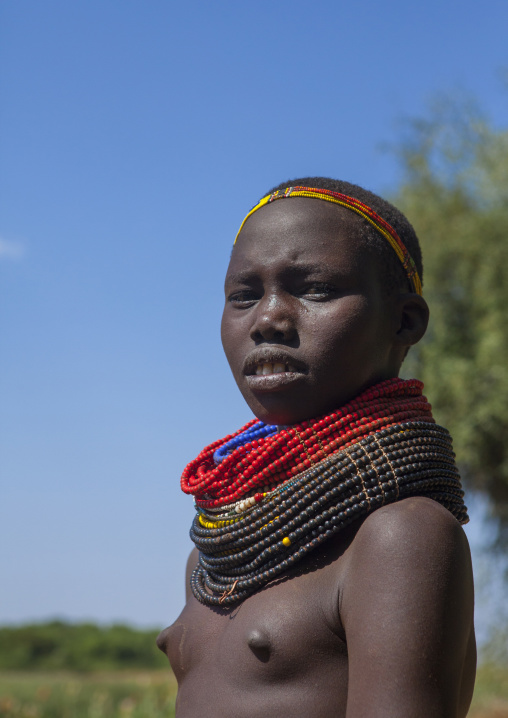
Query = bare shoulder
x=419 y=546
x=407 y=609
x=414 y=525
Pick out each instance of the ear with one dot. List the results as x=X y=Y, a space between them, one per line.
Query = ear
x=412 y=319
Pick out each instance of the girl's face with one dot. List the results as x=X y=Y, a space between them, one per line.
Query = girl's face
x=306 y=324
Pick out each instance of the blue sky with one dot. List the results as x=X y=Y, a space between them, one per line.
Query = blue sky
x=134 y=137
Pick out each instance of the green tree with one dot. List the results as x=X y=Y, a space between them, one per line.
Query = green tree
x=455 y=192
x=78 y=646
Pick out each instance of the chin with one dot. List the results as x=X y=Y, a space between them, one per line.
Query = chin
x=271 y=412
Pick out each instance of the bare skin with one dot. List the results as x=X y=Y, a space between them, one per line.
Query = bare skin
x=378 y=622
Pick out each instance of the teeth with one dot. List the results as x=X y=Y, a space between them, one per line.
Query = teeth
x=276 y=368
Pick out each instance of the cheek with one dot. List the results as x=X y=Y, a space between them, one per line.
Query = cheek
x=225 y=335
x=232 y=333
x=339 y=323
x=342 y=337
x=223 y=330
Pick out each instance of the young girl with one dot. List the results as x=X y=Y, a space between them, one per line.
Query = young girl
x=331 y=575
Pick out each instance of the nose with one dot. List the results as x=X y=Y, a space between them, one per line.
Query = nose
x=274 y=320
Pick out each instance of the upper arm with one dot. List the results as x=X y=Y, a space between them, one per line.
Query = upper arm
x=191 y=565
x=407 y=611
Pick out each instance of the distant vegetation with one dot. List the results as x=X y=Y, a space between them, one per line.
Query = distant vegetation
x=57 y=646
x=455 y=192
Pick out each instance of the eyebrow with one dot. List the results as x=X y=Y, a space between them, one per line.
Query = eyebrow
x=295 y=269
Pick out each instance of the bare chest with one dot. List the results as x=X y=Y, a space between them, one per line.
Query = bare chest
x=283 y=644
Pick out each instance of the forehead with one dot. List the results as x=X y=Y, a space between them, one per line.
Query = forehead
x=301 y=229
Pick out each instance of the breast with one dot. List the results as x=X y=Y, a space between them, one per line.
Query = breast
x=278 y=647
x=268 y=637
x=194 y=638
x=173 y=642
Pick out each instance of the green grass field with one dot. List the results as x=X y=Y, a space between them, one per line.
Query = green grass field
x=490 y=698
x=116 y=694
x=151 y=694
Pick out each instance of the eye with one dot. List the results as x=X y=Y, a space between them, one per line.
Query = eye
x=243 y=298
x=318 y=291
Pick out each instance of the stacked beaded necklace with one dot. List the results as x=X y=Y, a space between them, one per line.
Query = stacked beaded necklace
x=266 y=496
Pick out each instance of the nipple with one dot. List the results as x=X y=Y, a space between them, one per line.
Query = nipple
x=260 y=645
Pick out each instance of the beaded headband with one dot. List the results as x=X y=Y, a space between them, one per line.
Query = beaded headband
x=360 y=208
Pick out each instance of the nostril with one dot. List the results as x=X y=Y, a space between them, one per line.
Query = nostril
x=273 y=332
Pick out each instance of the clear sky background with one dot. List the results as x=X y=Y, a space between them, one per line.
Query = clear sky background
x=135 y=135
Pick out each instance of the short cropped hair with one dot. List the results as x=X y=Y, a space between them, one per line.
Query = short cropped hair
x=394 y=276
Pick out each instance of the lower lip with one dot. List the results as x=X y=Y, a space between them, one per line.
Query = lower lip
x=273 y=382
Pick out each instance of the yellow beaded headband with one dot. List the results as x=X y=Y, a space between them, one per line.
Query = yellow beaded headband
x=360 y=208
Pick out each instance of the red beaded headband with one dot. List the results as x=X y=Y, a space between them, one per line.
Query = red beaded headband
x=360 y=208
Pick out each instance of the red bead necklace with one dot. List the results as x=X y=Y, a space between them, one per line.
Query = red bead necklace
x=271 y=460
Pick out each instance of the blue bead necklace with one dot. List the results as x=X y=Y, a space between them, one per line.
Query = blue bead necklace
x=259 y=430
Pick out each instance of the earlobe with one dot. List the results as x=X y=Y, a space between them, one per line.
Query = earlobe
x=413 y=318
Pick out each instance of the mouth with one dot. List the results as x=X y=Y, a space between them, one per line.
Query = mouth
x=269 y=370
